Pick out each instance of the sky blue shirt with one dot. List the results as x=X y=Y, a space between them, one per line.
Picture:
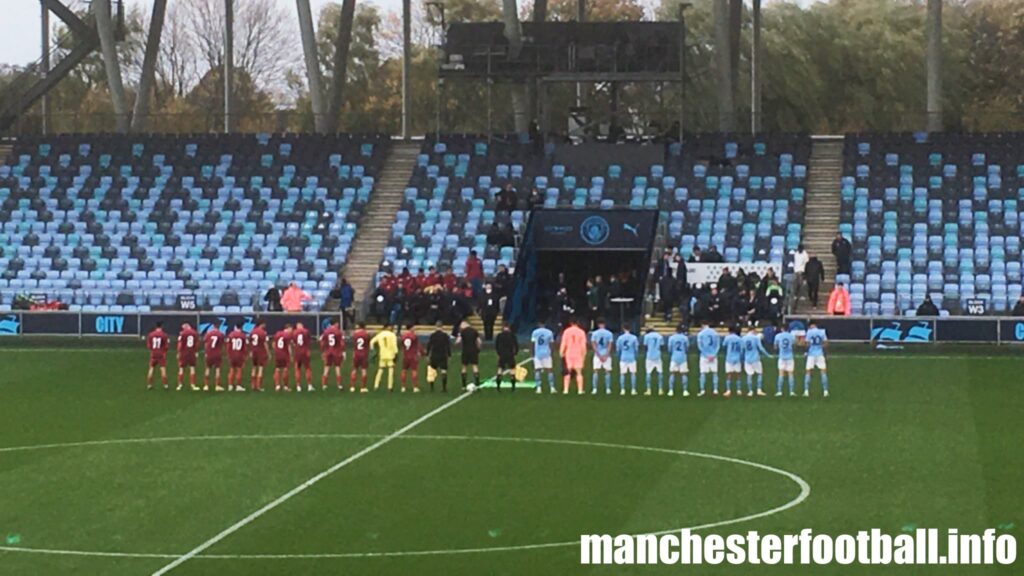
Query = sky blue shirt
x=708 y=342
x=784 y=342
x=815 y=342
x=653 y=343
x=733 y=349
x=677 y=345
x=627 y=344
x=542 y=339
x=602 y=339
x=753 y=348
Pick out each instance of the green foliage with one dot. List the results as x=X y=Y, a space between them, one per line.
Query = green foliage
x=833 y=66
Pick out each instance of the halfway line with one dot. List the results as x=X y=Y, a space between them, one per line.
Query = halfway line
x=308 y=483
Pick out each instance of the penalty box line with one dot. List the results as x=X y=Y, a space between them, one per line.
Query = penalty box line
x=307 y=484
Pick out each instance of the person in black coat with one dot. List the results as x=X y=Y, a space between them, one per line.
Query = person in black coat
x=927 y=308
x=507 y=347
x=842 y=249
x=1018 y=308
x=273 y=299
x=814 y=275
x=439 y=350
x=490 y=307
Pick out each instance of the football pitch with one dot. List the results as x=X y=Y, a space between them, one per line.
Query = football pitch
x=100 y=476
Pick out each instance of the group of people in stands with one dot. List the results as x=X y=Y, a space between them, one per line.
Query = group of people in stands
x=739 y=297
x=432 y=296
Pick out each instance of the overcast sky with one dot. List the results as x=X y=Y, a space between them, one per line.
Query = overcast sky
x=20 y=27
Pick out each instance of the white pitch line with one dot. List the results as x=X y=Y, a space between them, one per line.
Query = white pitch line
x=307 y=484
x=805 y=491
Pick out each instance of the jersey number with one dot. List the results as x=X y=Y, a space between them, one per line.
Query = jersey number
x=157 y=343
x=236 y=344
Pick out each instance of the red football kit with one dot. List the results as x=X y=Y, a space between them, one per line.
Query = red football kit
x=258 y=345
x=360 y=349
x=410 y=346
x=236 y=348
x=188 y=347
x=157 y=343
x=213 y=348
x=282 y=349
x=300 y=338
x=332 y=344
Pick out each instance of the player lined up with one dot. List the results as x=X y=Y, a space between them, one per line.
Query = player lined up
x=743 y=353
x=291 y=348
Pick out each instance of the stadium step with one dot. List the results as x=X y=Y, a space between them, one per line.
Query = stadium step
x=6 y=149
x=375 y=225
x=427 y=329
x=821 y=218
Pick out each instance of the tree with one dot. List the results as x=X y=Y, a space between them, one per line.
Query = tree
x=265 y=47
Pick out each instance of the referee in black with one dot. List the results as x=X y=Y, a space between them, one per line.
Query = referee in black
x=439 y=350
x=507 y=347
x=470 y=340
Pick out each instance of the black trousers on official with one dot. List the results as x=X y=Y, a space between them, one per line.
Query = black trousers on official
x=812 y=292
x=489 y=320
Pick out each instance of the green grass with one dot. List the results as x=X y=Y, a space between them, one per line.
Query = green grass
x=922 y=440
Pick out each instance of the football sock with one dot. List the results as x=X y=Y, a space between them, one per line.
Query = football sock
x=593 y=382
x=608 y=382
x=807 y=382
x=824 y=381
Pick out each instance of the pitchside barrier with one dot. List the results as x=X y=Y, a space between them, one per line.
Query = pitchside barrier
x=902 y=329
x=910 y=330
x=136 y=324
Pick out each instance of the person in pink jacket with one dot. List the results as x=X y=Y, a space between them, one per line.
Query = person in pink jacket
x=839 y=301
x=573 y=349
x=293 y=297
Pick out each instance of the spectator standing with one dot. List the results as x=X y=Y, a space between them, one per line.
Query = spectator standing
x=293 y=298
x=474 y=272
x=490 y=306
x=800 y=258
x=841 y=249
x=814 y=273
x=273 y=299
x=839 y=301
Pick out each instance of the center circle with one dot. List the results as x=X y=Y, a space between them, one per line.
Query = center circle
x=804 y=492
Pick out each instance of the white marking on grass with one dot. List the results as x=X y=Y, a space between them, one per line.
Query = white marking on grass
x=308 y=483
x=805 y=491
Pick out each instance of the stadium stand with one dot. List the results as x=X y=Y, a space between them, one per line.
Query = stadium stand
x=744 y=196
x=932 y=214
x=114 y=223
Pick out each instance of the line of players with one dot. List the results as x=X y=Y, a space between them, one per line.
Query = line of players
x=290 y=349
x=743 y=353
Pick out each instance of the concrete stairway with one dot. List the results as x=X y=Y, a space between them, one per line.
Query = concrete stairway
x=6 y=149
x=821 y=219
x=379 y=214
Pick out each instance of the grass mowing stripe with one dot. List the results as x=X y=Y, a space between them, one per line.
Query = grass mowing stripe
x=308 y=483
